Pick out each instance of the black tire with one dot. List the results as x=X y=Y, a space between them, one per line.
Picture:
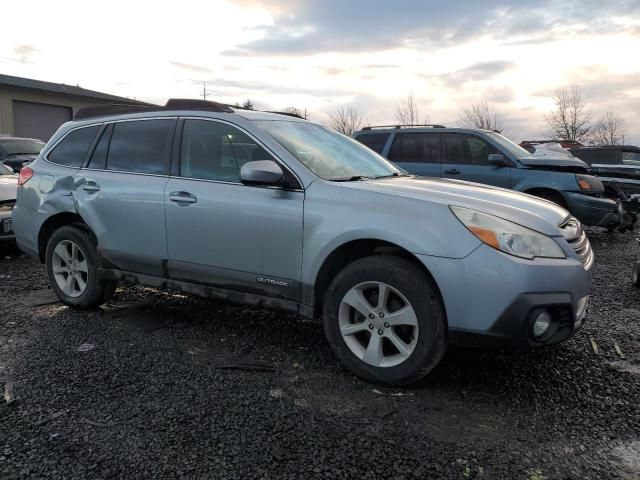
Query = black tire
x=419 y=290
x=635 y=278
x=97 y=291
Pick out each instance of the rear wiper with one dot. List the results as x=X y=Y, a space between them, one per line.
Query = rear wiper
x=355 y=178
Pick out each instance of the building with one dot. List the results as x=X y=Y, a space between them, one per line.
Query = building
x=35 y=109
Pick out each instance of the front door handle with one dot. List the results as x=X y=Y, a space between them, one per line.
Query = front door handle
x=452 y=171
x=182 y=197
x=91 y=187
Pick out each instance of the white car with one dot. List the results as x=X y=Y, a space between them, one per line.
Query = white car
x=8 y=189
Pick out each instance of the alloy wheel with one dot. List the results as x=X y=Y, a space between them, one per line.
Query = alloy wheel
x=70 y=269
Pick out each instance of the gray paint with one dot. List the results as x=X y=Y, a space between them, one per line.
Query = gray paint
x=272 y=243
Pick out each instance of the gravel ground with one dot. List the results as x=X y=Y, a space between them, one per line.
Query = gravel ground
x=164 y=385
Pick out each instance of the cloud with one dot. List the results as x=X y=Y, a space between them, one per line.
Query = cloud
x=303 y=27
x=476 y=72
x=190 y=67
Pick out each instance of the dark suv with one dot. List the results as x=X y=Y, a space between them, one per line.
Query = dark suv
x=484 y=156
x=618 y=164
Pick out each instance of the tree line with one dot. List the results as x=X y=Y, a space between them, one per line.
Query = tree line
x=569 y=120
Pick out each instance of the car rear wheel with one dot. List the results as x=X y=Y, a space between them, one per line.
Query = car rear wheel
x=384 y=320
x=73 y=269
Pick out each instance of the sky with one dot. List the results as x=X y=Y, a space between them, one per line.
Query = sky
x=319 y=54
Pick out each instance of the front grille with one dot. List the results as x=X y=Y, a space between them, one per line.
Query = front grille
x=573 y=232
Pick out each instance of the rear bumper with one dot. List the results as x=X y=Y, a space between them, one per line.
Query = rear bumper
x=9 y=236
x=26 y=226
x=593 y=211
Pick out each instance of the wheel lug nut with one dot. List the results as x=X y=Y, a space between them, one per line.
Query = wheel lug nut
x=370 y=327
x=386 y=325
x=380 y=332
x=371 y=316
x=381 y=314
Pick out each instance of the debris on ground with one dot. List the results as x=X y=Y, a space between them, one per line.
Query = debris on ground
x=39 y=298
x=86 y=347
x=44 y=420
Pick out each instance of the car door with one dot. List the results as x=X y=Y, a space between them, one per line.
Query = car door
x=120 y=193
x=221 y=232
x=417 y=152
x=466 y=158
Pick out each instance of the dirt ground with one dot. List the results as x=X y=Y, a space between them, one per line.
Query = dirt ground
x=163 y=385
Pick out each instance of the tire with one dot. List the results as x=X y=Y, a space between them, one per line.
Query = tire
x=635 y=278
x=407 y=284
x=80 y=248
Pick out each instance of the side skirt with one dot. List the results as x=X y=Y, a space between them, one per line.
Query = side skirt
x=242 y=298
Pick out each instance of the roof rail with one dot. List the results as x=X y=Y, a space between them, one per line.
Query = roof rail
x=404 y=126
x=288 y=114
x=172 y=104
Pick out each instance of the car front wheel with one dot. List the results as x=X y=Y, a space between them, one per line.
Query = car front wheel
x=385 y=321
x=73 y=269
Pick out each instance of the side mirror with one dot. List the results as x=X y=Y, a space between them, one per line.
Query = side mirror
x=261 y=172
x=497 y=160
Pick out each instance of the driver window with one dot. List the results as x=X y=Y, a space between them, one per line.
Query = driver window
x=216 y=151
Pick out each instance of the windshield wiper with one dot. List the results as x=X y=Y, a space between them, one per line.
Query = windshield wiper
x=395 y=174
x=355 y=178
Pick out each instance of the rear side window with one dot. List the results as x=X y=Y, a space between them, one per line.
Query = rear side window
x=375 y=141
x=216 y=151
x=99 y=156
x=468 y=149
x=602 y=157
x=416 y=147
x=73 y=148
x=138 y=146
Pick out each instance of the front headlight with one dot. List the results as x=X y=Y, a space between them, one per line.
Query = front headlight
x=588 y=183
x=507 y=236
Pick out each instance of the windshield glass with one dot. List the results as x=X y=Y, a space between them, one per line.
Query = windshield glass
x=326 y=153
x=514 y=149
x=631 y=158
x=16 y=147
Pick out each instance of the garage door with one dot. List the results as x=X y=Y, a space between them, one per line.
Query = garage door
x=38 y=120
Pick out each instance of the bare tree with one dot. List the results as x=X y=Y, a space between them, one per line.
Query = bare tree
x=570 y=120
x=482 y=115
x=609 y=130
x=296 y=111
x=345 y=119
x=408 y=112
x=247 y=104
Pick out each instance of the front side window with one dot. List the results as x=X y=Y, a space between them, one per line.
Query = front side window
x=375 y=141
x=416 y=147
x=468 y=149
x=139 y=146
x=216 y=151
x=326 y=153
x=631 y=158
x=73 y=148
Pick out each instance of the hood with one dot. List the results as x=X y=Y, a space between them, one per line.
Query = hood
x=555 y=163
x=520 y=208
x=8 y=187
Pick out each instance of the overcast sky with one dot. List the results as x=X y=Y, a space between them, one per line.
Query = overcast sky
x=321 y=53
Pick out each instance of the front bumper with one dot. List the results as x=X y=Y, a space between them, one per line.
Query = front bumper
x=491 y=298
x=593 y=211
x=9 y=236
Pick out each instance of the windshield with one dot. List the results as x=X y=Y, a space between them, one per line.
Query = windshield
x=326 y=153
x=514 y=149
x=25 y=147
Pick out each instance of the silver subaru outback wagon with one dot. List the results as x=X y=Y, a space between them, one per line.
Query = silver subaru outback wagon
x=272 y=210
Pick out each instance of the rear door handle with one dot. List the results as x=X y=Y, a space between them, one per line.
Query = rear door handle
x=452 y=171
x=182 y=197
x=91 y=187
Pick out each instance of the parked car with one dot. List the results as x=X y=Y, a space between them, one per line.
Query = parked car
x=398 y=267
x=17 y=152
x=487 y=157
x=619 y=165
x=8 y=187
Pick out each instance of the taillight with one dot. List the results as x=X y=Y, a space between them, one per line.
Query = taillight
x=25 y=175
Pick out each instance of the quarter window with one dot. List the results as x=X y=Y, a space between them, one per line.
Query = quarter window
x=468 y=149
x=216 y=151
x=375 y=141
x=73 y=148
x=416 y=147
x=138 y=146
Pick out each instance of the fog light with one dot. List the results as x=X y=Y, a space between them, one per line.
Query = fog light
x=581 y=308
x=541 y=325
